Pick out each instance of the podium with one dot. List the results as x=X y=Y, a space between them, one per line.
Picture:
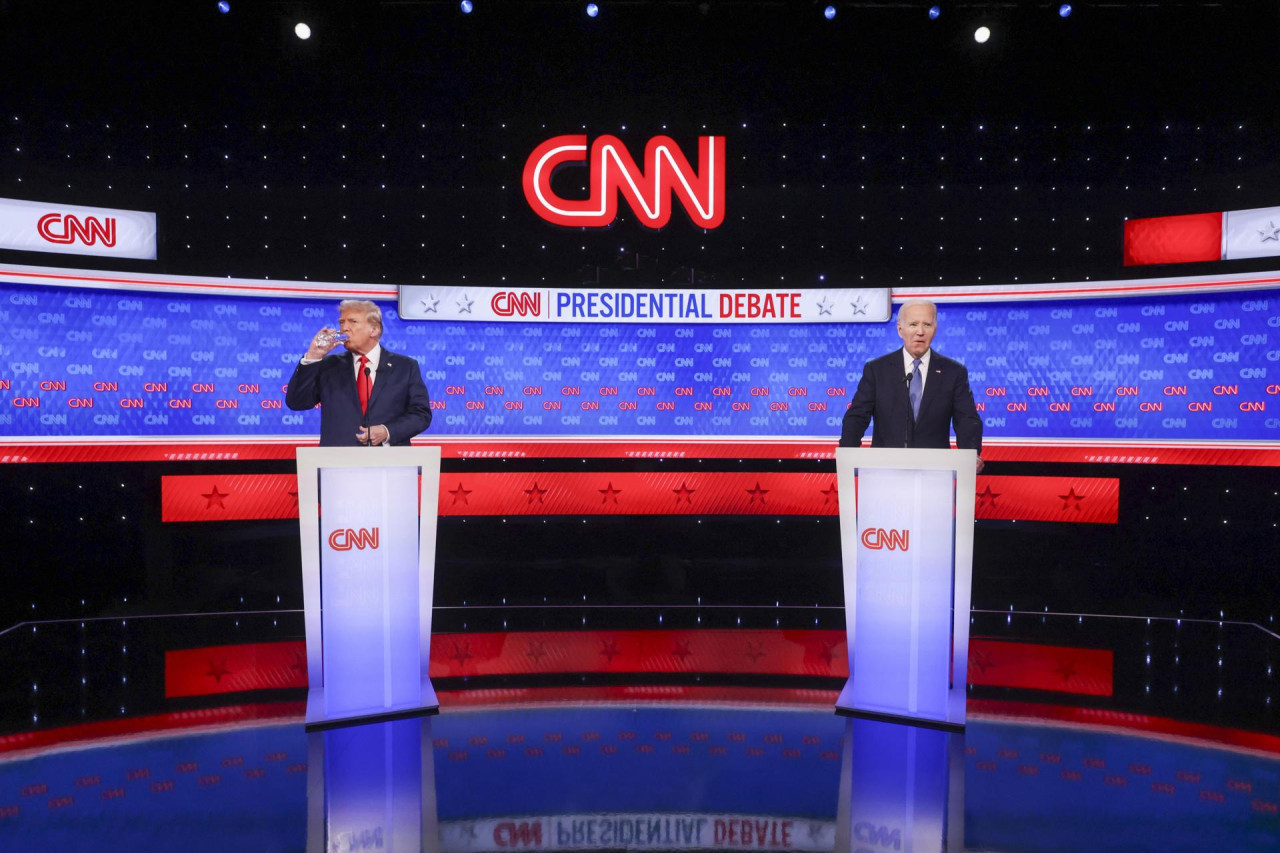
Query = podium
x=367 y=517
x=906 y=534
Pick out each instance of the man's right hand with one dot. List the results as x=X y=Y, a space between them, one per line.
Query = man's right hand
x=322 y=344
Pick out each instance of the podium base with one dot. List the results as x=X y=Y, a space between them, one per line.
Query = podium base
x=845 y=707
x=318 y=720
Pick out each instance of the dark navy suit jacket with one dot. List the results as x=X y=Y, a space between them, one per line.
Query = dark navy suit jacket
x=399 y=400
x=882 y=399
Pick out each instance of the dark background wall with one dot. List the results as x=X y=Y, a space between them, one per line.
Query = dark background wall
x=878 y=149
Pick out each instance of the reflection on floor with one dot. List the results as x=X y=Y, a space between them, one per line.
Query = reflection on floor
x=1084 y=733
x=643 y=776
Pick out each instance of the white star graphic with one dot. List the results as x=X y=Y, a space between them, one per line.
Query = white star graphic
x=464 y=304
x=859 y=305
x=1271 y=232
x=430 y=304
x=824 y=307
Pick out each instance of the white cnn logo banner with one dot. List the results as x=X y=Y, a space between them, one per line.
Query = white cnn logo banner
x=1251 y=233
x=35 y=226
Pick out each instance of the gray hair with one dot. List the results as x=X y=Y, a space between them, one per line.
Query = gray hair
x=372 y=313
x=913 y=302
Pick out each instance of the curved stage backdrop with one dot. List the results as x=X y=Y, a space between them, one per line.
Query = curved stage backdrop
x=1148 y=362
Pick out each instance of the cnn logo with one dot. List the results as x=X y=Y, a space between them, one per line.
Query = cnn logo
x=506 y=303
x=612 y=171
x=344 y=539
x=65 y=230
x=877 y=538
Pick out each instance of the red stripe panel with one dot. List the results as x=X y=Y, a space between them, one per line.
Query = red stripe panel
x=638 y=493
x=1083 y=499
x=243 y=716
x=997 y=450
x=209 y=497
x=992 y=663
x=994 y=709
x=1026 y=666
x=233 y=669
x=1173 y=239
x=228 y=497
x=769 y=652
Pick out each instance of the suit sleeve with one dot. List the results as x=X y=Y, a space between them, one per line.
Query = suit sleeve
x=304 y=387
x=964 y=415
x=858 y=416
x=417 y=414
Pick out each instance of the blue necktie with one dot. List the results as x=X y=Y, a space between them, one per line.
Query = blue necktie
x=916 y=390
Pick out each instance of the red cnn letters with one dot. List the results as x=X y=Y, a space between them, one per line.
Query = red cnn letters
x=612 y=171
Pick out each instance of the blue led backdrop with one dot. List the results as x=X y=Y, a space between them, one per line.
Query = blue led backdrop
x=102 y=363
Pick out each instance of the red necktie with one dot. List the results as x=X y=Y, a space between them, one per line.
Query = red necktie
x=362 y=385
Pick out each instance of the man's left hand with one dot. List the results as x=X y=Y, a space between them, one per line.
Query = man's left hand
x=378 y=434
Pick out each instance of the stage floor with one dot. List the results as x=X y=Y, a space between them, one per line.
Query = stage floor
x=117 y=735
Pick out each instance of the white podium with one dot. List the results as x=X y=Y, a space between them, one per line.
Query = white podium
x=367 y=517
x=906 y=534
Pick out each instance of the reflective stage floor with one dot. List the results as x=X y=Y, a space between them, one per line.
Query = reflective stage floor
x=609 y=761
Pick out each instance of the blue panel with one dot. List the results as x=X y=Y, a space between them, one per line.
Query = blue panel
x=92 y=362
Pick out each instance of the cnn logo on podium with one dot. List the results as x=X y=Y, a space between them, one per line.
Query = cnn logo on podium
x=345 y=538
x=878 y=538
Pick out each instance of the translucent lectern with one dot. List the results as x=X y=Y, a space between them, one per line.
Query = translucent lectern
x=368 y=527
x=906 y=534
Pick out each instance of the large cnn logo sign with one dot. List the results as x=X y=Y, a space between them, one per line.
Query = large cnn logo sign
x=666 y=180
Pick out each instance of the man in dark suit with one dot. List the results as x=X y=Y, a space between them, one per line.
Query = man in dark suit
x=914 y=395
x=367 y=395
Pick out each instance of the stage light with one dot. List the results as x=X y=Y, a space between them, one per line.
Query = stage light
x=302 y=31
x=981 y=34
x=466 y=7
x=935 y=12
x=592 y=10
x=1064 y=11
x=223 y=6
x=829 y=13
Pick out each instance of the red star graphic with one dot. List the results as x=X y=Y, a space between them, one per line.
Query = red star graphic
x=828 y=652
x=215 y=497
x=987 y=495
x=1067 y=669
x=981 y=661
x=460 y=494
x=684 y=492
x=757 y=492
x=217 y=669
x=609 y=648
x=462 y=653
x=535 y=493
x=830 y=493
x=754 y=651
x=537 y=651
x=1071 y=499
x=682 y=650
x=609 y=492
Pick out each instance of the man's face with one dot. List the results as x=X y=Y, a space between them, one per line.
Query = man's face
x=916 y=325
x=362 y=336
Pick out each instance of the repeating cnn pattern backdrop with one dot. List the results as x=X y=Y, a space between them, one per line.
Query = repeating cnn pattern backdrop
x=84 y=362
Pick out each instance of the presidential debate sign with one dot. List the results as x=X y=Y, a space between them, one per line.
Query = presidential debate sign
x=1154 y=360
